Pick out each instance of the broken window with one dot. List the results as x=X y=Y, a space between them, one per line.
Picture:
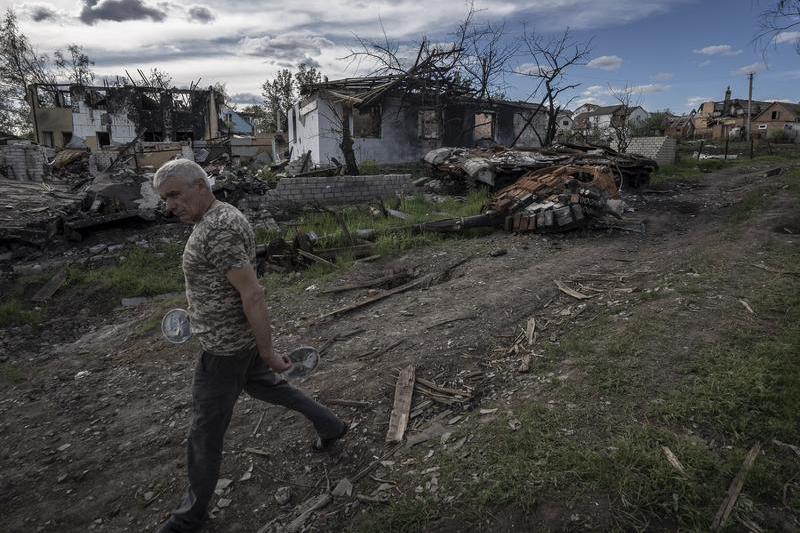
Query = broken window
x=182 y=101
x=153 y=136
x=66 y=136
x=46 y=98
x=776 y=115
x=47 y=139
x=484 y=126
x=367 y=122
x=429 y=124
x=103 y=138
x=183 y=135
x=65 y=98
x=151 y=101
x=565 y=122
x=98 y=99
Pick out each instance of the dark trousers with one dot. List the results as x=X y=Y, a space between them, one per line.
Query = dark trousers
x=218 y=381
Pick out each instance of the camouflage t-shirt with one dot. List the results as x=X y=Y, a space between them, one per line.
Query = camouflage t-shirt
x=223 y=240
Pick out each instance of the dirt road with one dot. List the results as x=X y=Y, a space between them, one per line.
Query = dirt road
x=93 y=429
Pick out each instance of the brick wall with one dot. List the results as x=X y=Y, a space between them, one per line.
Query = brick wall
x=23 y=162
x=333 y=190
x=663 y=150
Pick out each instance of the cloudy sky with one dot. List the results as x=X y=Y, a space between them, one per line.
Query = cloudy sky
x=674 y=53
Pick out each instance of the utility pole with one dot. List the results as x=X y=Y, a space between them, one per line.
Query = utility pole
x=749 y=105
x=749 y=111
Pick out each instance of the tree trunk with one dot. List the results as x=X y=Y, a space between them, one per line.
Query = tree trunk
x=351 y=168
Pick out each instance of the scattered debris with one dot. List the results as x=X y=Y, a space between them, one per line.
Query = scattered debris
x=398 y=421
x=343 y=488
x=307 y=509
x=735 y=489
x=747 y=306
x=676 y=464
x=283 y=495
x=571 y=292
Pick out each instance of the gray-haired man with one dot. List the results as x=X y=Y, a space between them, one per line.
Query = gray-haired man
x=229 y=317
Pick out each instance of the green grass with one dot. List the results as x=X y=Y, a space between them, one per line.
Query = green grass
x=143 y=273
x=14 y=313
x=600 y=438
x=12 y=374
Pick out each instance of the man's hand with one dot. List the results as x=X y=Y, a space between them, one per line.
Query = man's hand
x=278 y=364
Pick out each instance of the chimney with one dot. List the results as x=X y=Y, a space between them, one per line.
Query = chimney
x=726 y=106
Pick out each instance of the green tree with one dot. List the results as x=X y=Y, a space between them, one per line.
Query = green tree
x=305 y=77
x=278 y=98
x=20 y=66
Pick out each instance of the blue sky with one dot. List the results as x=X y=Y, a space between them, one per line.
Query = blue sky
x=675 y=53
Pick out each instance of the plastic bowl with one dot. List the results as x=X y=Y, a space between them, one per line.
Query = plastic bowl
x=175 y=326
x=304 y=360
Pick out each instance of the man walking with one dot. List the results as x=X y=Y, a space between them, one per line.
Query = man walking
x=229 y=317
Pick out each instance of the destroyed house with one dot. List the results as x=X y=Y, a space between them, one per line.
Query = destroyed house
x=94 y=117
x=726 y=118
x=394 y=123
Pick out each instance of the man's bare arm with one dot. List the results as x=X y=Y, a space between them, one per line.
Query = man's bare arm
x=255 y=309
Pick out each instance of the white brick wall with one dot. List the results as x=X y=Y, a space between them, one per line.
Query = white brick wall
x=662 y=149
x=23 y=162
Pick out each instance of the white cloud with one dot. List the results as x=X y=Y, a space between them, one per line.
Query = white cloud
x=662 y=76
x=695 y=101
x=705 y=63
x=285 y=47
x=751 y=69
x=787 y=37
x=605 y=63
x=650 y=88
x=531 y=69
x=718 y=50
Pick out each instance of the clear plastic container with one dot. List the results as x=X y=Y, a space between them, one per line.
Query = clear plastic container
x=175 y=326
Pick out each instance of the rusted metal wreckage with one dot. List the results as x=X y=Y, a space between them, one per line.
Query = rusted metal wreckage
x=499 y=166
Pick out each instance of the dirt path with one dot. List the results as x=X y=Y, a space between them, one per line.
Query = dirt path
x=92 y=440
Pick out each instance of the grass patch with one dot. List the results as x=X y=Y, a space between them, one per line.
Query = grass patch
x=14 y=313
x=749 y=205
x=143 y=273
x=12 y=374
x=596 y=442
x=392 y=233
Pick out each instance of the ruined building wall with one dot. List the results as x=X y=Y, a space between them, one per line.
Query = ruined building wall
x=117 y=114
x=22 y=162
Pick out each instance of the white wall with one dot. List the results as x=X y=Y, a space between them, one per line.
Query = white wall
x=86 y=122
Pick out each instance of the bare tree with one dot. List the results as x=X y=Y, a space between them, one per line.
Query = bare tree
x=486 y=53
x=77 y=67
x=621 y=126
x=775 y=23
x=550 y=60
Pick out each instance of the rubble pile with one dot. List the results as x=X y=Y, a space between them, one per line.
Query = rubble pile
x=557 y=198
x=499 y=167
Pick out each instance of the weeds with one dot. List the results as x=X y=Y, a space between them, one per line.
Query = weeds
x=14 y=313
x=143 y=273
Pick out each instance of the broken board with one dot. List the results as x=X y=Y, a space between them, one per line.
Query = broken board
x=404 y=390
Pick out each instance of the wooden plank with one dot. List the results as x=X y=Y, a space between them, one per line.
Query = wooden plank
x=570 y=292
x=50 y=288
x=735 y=489
x=403 y=391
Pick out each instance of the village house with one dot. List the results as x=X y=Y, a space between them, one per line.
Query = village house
x=96 y=117
x=779 y=120
x=392 y=124
x=600 y=121
x=727 y=118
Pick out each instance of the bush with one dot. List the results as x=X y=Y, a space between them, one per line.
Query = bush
x=369 y=168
